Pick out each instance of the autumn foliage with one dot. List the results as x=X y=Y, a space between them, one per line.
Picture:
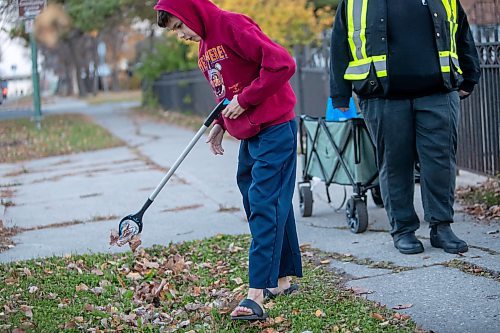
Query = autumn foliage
x=288 y=22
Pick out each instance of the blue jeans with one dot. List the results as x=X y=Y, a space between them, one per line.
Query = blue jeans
x=266 y=179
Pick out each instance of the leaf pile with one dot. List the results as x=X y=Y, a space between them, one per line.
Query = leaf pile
x=187 y=287
x=482 y=201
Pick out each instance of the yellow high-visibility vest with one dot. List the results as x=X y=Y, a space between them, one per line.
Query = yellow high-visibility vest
x=359 y=67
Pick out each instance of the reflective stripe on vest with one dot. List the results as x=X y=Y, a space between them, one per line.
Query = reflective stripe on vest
x=445 y=56
x=359 y=67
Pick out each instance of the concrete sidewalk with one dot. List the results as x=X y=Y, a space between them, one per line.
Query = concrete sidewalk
x=72 y=202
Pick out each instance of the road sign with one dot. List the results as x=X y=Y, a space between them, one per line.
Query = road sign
x=29 y=9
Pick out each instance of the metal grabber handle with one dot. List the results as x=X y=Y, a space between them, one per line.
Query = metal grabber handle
x=208 y=121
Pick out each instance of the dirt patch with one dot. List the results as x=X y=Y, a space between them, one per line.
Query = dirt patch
x=6 y=235
x=182 y=208
x=225 y=209
x=7 y=203
x=16 y=173
x=473 y=269
x=7 y=193
x=92 y=195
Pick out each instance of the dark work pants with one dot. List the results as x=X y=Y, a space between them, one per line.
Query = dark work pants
x=266 y=178
x=407 y=130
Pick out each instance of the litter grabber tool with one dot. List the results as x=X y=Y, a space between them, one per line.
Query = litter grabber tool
x=131 y=225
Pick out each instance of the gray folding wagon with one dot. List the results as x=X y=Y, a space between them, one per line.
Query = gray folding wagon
x=339 y=152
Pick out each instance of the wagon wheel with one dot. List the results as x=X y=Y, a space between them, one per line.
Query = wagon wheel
x=306 y=200
x=357 y=215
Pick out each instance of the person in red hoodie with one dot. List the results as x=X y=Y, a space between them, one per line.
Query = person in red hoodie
x=243 y=65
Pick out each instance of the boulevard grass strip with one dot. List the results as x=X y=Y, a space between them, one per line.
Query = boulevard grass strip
x=186 y=287
x=182 y=119
x=112 y=97
x=64 y=134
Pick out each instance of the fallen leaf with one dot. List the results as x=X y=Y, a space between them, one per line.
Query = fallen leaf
x=52 y=296
x=33 y=289
x=196 y=291
x=305 y=246
x=97 y=290
x=269 y=330
x=70 y=324
x=134 y=276
x=319 y=313
x=97 y=272
x=377 y=316
x=360 y=290
x=113 y=237
x=135 y=242
x=120 y=281
x=237 y=280
x=82 y=287
x=10 y=281
x=279 y=320
x=28 y=312
x=401 y=316
x=233 y=249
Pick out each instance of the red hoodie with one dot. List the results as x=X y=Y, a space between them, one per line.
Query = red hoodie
x=237 y=58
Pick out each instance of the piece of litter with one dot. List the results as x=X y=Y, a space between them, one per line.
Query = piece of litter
x=127 y=236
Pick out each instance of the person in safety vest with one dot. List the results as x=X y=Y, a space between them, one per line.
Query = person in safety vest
x=409 y=62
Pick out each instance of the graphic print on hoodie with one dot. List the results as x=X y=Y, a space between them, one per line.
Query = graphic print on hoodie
x=211 y=62
x=236 y=57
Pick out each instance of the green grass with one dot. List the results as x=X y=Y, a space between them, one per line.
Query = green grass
x=187 y=287
x=59 y=135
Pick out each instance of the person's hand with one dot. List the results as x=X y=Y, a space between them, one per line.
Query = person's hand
x=463 y=93
x=343 y=109
x=233 y=110
x=215 y=139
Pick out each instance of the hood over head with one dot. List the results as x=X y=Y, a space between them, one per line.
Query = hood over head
x=196 y=14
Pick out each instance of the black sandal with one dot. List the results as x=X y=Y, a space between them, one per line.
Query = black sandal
x=258 y=313
x=268 y=294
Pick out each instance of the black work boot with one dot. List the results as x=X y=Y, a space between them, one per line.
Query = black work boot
x=443 y=237
x=408 y=243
